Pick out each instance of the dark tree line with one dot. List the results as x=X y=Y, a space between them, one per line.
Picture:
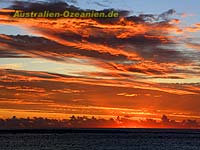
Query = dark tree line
x=86 y=122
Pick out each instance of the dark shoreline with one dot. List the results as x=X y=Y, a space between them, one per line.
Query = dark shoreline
x=100 y=130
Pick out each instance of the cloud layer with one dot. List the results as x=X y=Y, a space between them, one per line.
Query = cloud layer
x=145 y=61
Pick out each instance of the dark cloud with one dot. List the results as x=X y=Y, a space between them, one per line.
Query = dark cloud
x=6 y=54
x=61 y=6
x=34 y=47
x=41 y=6
x=167 y=14
x=100 y=4
x=115 y=41
x=145 y=43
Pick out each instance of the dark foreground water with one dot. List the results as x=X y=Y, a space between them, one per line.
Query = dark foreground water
x=100 y=139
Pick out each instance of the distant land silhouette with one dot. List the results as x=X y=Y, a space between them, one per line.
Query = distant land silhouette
x=86 y=122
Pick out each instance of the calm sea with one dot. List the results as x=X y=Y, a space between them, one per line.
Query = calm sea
x=100 y=139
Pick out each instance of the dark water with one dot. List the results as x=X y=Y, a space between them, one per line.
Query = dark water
x=100 y=139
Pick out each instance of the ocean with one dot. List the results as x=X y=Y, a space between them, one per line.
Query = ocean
x=100 y=139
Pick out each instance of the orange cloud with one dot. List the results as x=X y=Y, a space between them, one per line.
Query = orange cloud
x=128 y=95
x=75 y=95
x=193 y=28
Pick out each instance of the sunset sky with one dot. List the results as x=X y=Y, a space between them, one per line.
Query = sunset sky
x=144 y=64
